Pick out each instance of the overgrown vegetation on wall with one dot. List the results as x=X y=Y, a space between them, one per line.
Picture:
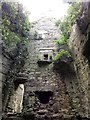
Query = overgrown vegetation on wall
x=15 y=24
x=15 y=30
x=15 y=37
x=65 y=27
x=62 y=55
x=66 y=24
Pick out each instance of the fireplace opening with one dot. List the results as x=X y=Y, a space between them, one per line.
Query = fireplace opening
x=45 y=56
x=44 y=96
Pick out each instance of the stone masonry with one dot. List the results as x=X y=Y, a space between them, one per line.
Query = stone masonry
x=45 y=91
x=80 y=47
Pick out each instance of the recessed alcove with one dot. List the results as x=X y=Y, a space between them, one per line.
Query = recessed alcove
x=46 y=56
x=44 y=96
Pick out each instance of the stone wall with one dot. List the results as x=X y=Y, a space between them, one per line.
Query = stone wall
x=12 y=83
x=0 y=83
x=5 y=68
x=43 y=78
x=51 y=91
x=80 y=47
x=58 y=84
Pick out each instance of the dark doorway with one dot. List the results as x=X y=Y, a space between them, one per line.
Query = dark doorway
x=44 y=96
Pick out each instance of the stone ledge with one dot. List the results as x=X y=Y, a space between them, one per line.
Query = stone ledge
x=43 y=62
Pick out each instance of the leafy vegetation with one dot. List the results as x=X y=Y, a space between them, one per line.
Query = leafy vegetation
x=66 y=24
x=15 y=24
x=65 y=27
x=61 y=41
x=15 y=33
x=15 y=37
x=62 y=55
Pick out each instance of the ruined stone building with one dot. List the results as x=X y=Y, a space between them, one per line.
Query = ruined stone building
x=42 y=90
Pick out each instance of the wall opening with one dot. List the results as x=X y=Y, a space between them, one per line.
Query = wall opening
x=45 y=56
x=44 y=96
x=16 y=99
x=86 y=51
x=50 y=57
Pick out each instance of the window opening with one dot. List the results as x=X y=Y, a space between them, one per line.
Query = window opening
x=45 y=56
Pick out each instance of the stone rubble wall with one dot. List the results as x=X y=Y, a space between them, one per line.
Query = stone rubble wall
x=0 y=83
x=12 y=93
x=78 y=39
x=63 y=82
x=44 y=78
x=5 y=62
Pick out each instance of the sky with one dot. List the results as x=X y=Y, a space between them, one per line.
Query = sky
x=41 y=8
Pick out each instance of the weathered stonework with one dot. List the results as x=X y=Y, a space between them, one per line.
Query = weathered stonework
x=80 y=45
x=46 y=82
x=12 y=83
x=51 y=91
x=5 y=63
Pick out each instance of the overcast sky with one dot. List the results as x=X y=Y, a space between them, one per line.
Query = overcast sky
x=49 y=8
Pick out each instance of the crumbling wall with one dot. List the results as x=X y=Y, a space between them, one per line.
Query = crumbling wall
x=5 y=69
x=0 y=82
x=43 y=77
x=79 y=43
x=12 y=81
x=61 y=91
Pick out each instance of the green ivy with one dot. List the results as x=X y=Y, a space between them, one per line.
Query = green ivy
x=61 y=41
x=15 y=24
x=62 y=53
x=15 y=32
x=66 y=24
x=65 y=27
